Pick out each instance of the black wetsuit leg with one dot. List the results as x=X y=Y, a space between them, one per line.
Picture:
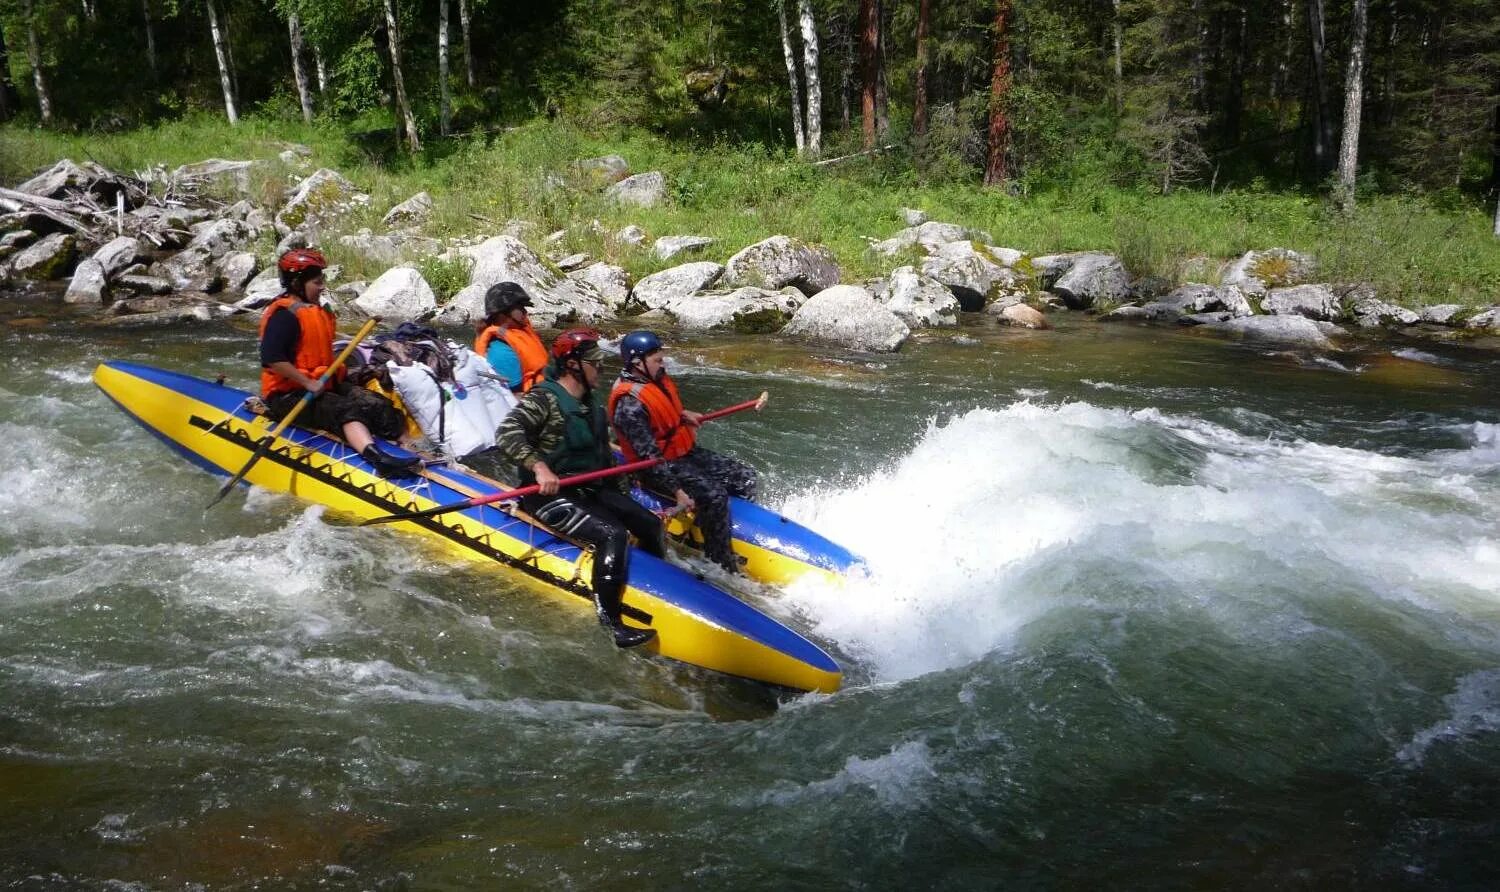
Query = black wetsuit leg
x=602 y=518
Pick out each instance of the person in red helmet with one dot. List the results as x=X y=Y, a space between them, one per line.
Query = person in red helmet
x=556 y=430
x=296 y=348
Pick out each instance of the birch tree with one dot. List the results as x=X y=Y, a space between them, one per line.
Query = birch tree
x=445 y=105
x=299 y=71
x=393 y=28
x=34 y=58
x=1117 y=28
x=789 y=54
x=919 y=102
x=1353 y=100
x=1319 y=102
x=463 y=23
x=150 y=35
x=809 y=27
x=322 y=68
x=999 y=130
x=221 y=53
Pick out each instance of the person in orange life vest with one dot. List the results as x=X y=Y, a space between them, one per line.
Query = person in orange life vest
x=507 y=339
x=650 y=421
x=296 y=348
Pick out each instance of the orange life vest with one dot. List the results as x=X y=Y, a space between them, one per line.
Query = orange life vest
x=664 y=406
x=522 y=339
x=314 y=346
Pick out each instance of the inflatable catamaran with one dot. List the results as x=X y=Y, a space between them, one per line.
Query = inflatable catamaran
x=696 y=623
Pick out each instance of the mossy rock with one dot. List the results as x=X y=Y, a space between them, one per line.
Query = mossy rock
x=767 y=321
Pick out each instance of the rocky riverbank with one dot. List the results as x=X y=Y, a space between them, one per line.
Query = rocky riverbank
x=162 y=247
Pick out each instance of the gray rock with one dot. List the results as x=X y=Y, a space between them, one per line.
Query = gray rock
x=780 y=261
x=1205 y=318
x=572 y=262
x=57 y=181
x=297 y=238
x=1091 y=279
x=50 y=258
x=929 y=236
x=214 y=172
x=1259 y=271
x=213 y=239
x=644 y=190
x=320 y=197
x=390 y=248
x=555 y=297
x=631 y=235
x=1022 y=316
x=603 y=171
x=609 y=280
x=749 y=310
x=140 y=283
x=851 y=316
x=1487 y=320
x=1151 y=312
x=656 y=291
x=1292 y=330
x=400 y=294
x=1050 y=267
x=920 y=300
x=669 y=246
x=416 y=209
x=1194 y=298
x=261 y=290
x=1313 y=301
x=117 y=254
x=239 y=210
x=238 y=269
x=970 y=273
x=88 y=284
x=913 y=217
x=1369 y=311
x=1005 y=256
x=188 y=314
x=18 y=239
x=1440 y=314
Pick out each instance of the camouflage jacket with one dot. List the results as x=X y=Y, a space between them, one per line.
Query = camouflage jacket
x=532 y=430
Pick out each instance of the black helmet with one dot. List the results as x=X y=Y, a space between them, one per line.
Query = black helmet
x=504 y=297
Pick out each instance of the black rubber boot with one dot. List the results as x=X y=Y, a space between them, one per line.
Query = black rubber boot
x=387 y=465
x=624 y=635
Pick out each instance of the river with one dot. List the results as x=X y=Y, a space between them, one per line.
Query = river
x=1144 y=608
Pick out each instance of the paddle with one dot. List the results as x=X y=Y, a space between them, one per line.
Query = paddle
x=265 y=444
x=507 y=495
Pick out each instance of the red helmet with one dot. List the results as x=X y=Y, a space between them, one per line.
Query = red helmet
x=300 y=263
x=577 y=343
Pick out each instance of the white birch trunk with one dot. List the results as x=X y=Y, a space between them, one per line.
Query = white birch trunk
x=322 y=69
x=150 y=35
x=1320 y=99
x=1119 y=39
x=299 y=72
x=810 y=73
x=221 y=53
x=463 y=23
x=413 y=143
x=789 y=54
x=445 y=113
x=1497 y=216
x=34 y=58
x=1353 y=99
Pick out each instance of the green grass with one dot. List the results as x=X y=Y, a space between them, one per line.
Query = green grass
x=1414 y=251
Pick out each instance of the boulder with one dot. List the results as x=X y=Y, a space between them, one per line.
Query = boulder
x=1368 y=311
x=1022 y=316
x=1485 y=320
x=669 y=246
x=1291 y=330
x=602 y=171
x=929 y=236
x=851 y=316
x=380 y=249
x=57 y=181
x=1005 y=256
x=49 y=258
x=920 y=300
x=214 y=173
x=1205 y=318
x=321 y=196
x=237 y=269
x=140 y=283
x=416 y=209
x=1259 y=271
x=968 y=271
x=631 y=235
x=213 y=239
x=1156 y=311
x=644 y=190
x=657 y=290
x=117 y=254
x=261 y=290
x=555 y=298
x=1440 y=314
x=780 y=261
x=1091 y=279
x=1313 y=301
x=17 y=239
x=609 y=280
x=913 y=217
x=400 y=294
x=1198 y=298
x=190 y=314
x=88 y=284
x=747 y=310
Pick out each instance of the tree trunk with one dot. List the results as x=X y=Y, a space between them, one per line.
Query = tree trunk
x=7 y=91
x=463 y=23
x=322 y=69
x=869 y=44
x=299 y=72
x=34 y=58
x=809 y=28
x=150 y=35
x=1234 y=103
x=445 y=110
x=789 y=54
x=1118 y=29
x=1353 y=102
x=999 y=135
x=1497 y=217
x=882 y=88
x=221 y=53
x=234 y=73
x=393 y=32
x=919 y=104
x=1320 y=92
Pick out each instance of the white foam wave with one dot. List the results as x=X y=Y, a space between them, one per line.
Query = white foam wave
x=900 y=779
x=1473 y=709
x=1000 y=516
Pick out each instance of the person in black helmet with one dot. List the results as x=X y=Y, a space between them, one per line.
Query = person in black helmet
x=558 y=430
x=507 y=339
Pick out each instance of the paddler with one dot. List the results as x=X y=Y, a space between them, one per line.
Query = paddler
x=558 y=430
x=296 y=348
x=650 y=422
x=507 y=339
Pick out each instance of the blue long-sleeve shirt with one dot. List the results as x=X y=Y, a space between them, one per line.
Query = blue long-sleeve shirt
x=505 y=362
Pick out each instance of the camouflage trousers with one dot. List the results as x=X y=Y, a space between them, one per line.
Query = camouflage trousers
x=710 y=478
